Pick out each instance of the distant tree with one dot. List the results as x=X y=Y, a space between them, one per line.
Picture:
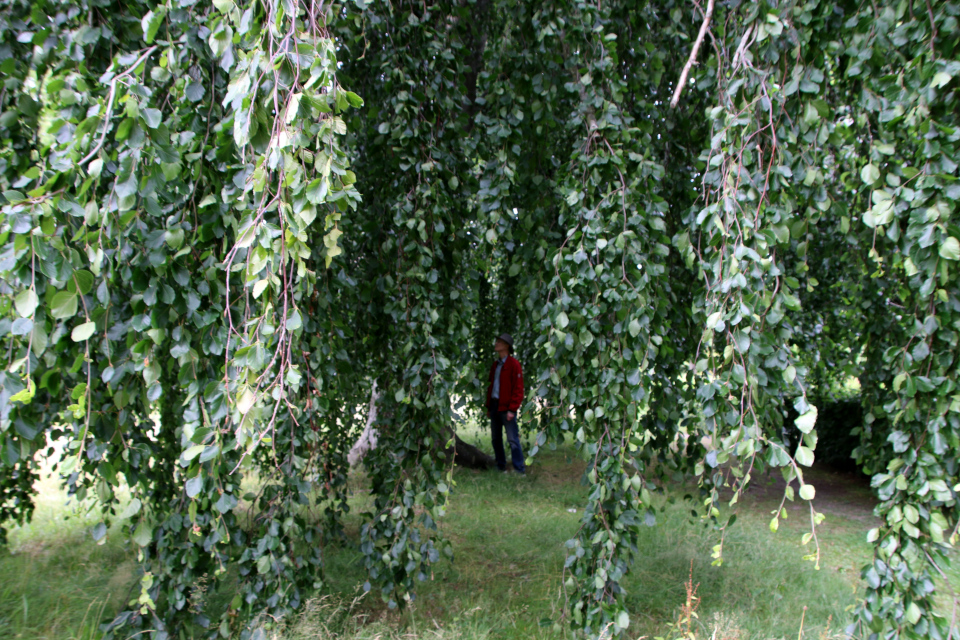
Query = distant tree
x=687 y=213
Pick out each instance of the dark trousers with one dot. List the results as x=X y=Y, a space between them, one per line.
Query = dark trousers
x=499 y=422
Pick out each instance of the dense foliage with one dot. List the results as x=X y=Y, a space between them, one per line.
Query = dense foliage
x=197 y=299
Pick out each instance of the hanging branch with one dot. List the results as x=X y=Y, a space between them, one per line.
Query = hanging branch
x=693 y=56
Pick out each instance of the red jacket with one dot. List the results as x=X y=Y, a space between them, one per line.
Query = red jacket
x=511 y=385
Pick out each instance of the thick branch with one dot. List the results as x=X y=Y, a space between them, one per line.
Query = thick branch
x=693 y=56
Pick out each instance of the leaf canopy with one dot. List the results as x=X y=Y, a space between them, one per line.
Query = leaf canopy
x=184 y=234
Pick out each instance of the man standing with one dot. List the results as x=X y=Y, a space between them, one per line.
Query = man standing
x=504 y=395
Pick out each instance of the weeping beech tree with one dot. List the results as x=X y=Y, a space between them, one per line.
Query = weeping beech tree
x=223 y=222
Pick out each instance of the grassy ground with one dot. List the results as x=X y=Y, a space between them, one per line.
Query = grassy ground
x=508 y=533
x=55 y=581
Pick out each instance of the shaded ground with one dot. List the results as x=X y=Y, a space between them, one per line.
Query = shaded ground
x=841 y=493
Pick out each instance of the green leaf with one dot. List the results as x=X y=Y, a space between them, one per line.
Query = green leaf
x=194 y=485
x=913 y=613
x=293 y=107
x=586 y=338
x=920 y=351
x=194 y=91
x=174 y=238
x=941 y=79
x=83 y=281
x=99 y=531
x=354 y=100
x=13 y=197
x=193 y=452
x=807 y=492
x=209 y=453
x=307 y=215
x=151 y=23
x=123 y=132
x=83 y=331
x=25 y=396
x=790 y=374
x=804 y=456
x=247 y=237
x=294 y=321
x=623 y=619
x=225 y=503
x=143 y=535
x=807 y=421
x=21 y=326
x=950 y=249
x=79 y=391
x=782 y=233
x=133 y=508
x=63 y=305
x=870 y=174
x=152 y=117
x=128 y=187
x=562 y=320
x=898 y=381
x=634 y=328
x=246 y=401
x=26 y=302
x=317 y=190
x=219 y=40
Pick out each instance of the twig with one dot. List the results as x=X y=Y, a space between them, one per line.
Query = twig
x=742 y=48
x=110 y=97
x=693 y=56
x=933 y=35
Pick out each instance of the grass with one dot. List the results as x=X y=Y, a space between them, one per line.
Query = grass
x=56 y=582
x=509 y=534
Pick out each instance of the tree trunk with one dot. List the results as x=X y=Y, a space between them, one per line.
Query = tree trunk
x=467 y=455
x=368 y=439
